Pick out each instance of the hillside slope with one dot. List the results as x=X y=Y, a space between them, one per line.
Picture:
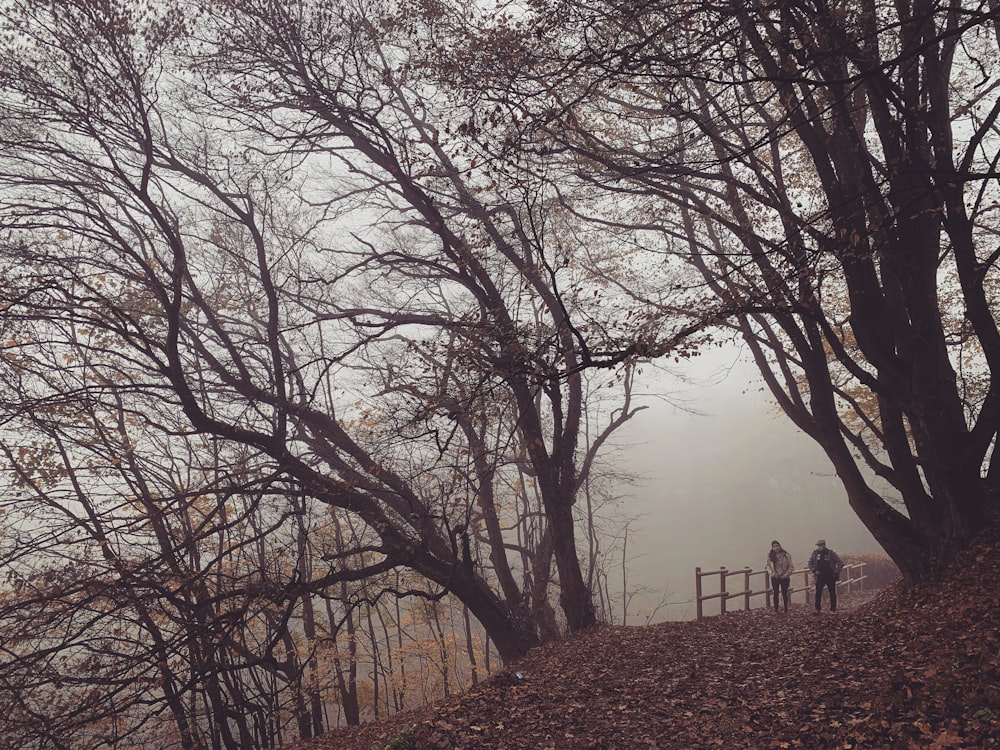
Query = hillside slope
x=913 y=669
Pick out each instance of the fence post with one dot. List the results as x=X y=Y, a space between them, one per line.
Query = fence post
x=722 y=587
x=697 y=590
x=846 y=585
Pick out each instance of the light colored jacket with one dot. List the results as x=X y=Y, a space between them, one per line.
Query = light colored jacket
x=782 y=566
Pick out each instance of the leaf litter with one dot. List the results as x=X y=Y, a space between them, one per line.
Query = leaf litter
x=900 y=670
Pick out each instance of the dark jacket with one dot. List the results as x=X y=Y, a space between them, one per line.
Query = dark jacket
x=825 y=563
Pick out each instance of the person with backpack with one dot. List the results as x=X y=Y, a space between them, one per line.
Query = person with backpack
x=779 y=568
x=825 y=565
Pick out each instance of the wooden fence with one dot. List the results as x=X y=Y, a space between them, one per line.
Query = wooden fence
x=854 y=581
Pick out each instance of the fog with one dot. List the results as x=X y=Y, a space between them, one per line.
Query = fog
x=717 y=486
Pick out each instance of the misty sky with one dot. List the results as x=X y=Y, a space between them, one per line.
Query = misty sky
x=721 y=485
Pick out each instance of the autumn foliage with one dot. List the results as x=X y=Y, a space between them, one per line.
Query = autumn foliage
x=319 y=321
x=900 y=669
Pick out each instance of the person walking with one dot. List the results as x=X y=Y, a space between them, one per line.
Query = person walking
x=779 y=567
x=825 y=565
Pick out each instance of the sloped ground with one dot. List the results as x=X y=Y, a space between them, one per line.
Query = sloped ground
x=917 y=669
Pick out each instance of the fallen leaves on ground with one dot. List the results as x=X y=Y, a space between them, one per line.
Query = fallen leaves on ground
x=900 y=670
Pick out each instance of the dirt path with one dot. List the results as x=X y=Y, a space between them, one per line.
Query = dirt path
x=888 y=671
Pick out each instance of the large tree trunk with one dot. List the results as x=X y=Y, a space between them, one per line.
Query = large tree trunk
x=512 y=632
x=937 y=519
x=574 y=596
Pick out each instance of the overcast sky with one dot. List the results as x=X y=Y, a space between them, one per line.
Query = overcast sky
x=721 y=485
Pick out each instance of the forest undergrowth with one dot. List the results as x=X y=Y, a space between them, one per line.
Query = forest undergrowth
x=902 y=669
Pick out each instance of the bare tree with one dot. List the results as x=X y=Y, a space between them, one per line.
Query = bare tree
x=138 y=587
x=830 y=170
x=477 y=257
x=244 y=238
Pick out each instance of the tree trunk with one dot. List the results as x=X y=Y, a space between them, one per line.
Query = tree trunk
x=511 y=632
x=346 y=687
x=574 y=596
x=470 y=648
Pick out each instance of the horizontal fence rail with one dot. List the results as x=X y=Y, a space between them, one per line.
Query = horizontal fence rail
x=854 y=581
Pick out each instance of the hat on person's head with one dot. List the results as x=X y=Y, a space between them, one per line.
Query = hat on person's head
x=774 y=542
x=821 y=542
